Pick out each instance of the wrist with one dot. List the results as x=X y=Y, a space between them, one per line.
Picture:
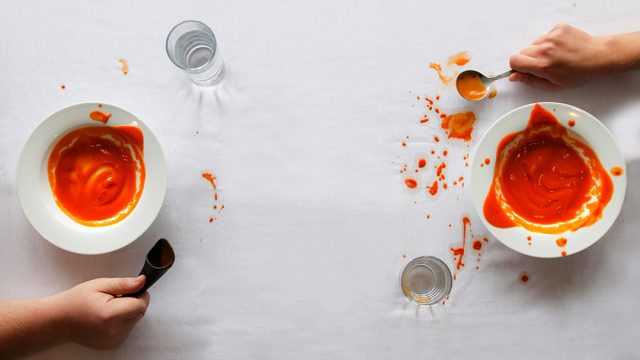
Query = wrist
x=57 y=316
x=620 y=53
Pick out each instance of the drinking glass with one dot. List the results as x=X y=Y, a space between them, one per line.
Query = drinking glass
x=426 y=280
x=192 y=46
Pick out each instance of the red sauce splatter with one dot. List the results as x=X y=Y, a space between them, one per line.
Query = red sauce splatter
x=571 y=122
x=438 y=97
x=458 y=253
x=424 y=119
x=459 y=125
x=445 y=153
x=444 y=186
x=432 y=152
x=561 y=242
x=477 y=245
x=437 y=139
x=529 y=238
x=433 y=189
x=404 y=144
x=418 y=97
x=440 y=168
x=544 y=181
x=97 y=173
x=99 y=105
x=411 y=183
x=564 y=253
x=125 y=65
x=99 y=116
x=63 y=86
x=428 y=216
x=211 y=179
x=487 y=161
x=422 y=163
x=524 y=277
x=616 y=171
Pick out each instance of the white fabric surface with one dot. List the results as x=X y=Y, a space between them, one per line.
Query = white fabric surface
x=304 y=136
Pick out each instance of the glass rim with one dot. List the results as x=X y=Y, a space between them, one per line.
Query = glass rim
x=166 y=46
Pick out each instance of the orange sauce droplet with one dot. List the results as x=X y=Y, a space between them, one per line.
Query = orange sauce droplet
x=97 y=173
x=564 y=253
x=63 y=86
x=616 y=171
x=422 y=163
x=411 y=183
x=529 y=238
x=99 y=116
x=460 y=59
x=487 y=161
x=493 y=93
x=459 y=125
x=437 y=139
x=125 y=65
x=572 y=122
x=543 y=178
x=440 y=168
x=433 y=189
x=561 y=242
x=471 y=87
x=445 y=153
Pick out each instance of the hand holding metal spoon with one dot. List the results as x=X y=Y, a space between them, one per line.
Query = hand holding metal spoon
x=474 y=86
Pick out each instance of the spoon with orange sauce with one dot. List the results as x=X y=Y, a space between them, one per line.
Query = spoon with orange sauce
x=474 y=86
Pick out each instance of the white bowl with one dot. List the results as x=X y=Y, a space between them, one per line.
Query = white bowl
x=601 y=141
x=39 y=206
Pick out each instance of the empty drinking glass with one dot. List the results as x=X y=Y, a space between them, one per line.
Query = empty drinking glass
x=426 y=280
x=192 y=46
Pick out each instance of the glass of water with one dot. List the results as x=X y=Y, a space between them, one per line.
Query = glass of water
x=192 y=46
x=426 y=280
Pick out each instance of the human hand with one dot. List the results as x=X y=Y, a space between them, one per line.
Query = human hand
x=95 y=316
x=565 y=57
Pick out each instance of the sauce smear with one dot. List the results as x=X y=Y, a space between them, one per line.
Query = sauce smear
x=459 y=125
x=546 y=179
x=99 y=116
x=97 y=173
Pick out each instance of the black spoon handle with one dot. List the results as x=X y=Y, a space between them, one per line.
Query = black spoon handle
x=159 y=259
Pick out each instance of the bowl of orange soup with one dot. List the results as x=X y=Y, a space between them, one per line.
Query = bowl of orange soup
x=548 y=179
x=91 y=178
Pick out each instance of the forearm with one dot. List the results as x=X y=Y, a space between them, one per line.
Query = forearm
x=622 y=52
x=31 y=325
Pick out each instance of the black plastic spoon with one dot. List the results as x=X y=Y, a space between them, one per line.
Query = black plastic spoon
x=159 y=260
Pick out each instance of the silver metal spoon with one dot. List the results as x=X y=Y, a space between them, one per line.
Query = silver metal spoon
x=486 y=81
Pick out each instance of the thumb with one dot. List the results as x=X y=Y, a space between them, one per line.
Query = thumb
x=119 y=286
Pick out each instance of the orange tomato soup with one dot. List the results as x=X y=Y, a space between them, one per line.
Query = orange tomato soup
x=97 y=173
x=471 y=87
x=546 y=179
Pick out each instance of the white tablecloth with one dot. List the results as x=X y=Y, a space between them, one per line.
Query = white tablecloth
x=304 y=137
